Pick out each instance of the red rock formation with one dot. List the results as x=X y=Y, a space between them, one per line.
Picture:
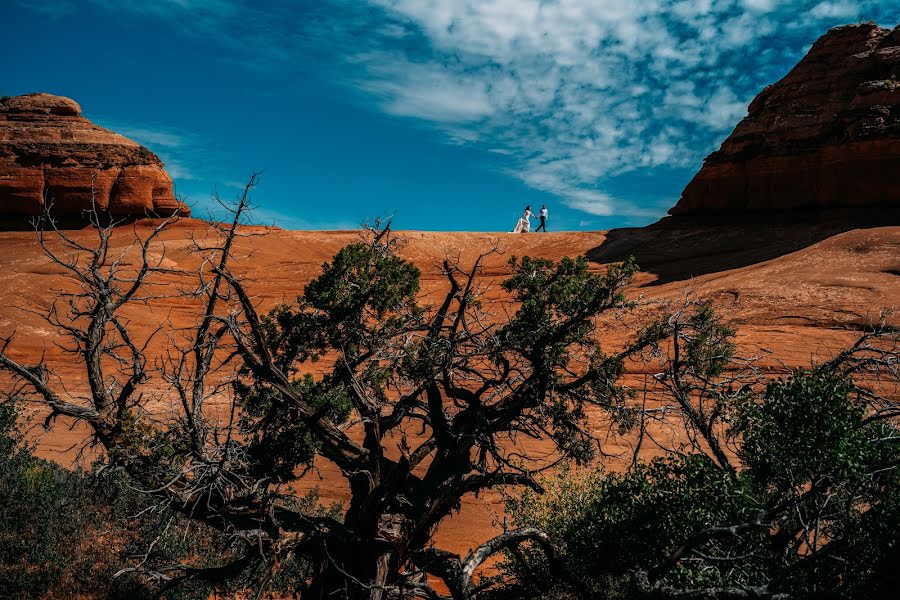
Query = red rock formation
x=809 y=302
x=49 y=151
x=825 y=136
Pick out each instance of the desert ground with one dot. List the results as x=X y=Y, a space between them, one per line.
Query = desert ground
x=795 y=294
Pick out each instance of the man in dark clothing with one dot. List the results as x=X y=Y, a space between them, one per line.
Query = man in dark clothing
x=543 y=216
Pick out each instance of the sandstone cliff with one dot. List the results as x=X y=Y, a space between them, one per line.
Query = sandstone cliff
x=49 y=151
x=825 y=136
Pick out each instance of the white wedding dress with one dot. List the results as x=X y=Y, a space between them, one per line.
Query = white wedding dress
x=523 y=225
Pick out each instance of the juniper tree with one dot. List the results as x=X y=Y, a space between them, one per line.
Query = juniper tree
x=783 y=488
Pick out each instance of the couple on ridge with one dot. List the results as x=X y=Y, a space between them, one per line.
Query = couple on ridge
x=524 y=225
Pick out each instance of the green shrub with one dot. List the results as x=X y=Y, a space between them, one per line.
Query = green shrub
x=813 y=471
x=66 y=533
x=146 y=154
x=47 y=516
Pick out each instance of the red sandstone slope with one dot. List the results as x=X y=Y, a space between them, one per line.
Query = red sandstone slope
x=827 y=135
x=49 y=151
x=787 y=309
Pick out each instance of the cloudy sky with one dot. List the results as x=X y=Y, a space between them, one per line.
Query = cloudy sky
x=449 y=114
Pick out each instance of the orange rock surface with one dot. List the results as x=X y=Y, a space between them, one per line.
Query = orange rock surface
x=50 y=153
x=794 y=293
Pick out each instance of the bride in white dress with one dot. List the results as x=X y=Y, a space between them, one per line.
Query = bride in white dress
x=524 y=225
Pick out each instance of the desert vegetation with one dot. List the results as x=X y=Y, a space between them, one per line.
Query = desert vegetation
x=776 y=489
x=86 y=533
x=804 y=505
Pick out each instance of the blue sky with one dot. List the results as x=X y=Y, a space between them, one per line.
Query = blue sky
x=448 y=114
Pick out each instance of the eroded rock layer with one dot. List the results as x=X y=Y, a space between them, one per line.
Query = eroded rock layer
x=825 y=136
x=50 y=153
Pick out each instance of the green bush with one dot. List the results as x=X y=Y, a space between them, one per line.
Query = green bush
x=146 y=154
x=813 y=471
x=66 y=533
x=52 y=538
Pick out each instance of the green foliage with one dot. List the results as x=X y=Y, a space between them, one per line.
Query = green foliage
x=801 y=433
x=363 y=296
x=362 y=275
x=612 y=524
x=45 y=513
x=710 y=347
x=782 y=488
x=814 y=474
x=67 y=533
x=557 y=300
x=809 y=446
x=361 y=282
x=278 y=439
x=555 y=319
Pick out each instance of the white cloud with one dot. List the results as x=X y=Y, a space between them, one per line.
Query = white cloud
x=177 y=170
x=175 y=148
x=578 y=91
x=723 y=109
x=207 y=207
x=571 y=88
x=759 y=5
x=151 y=137
x=830 y=10
x=411 y=90
x=593 y=203
x=571 y=93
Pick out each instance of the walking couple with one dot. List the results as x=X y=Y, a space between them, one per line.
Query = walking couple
x=524 y=224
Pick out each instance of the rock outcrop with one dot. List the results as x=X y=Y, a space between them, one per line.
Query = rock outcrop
x=49 y=152
x=826 y=136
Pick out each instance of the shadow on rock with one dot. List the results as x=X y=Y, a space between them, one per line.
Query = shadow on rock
x=679 y=248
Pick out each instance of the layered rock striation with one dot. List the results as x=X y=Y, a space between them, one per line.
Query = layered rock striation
x=826 y=136
x=50 y=153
